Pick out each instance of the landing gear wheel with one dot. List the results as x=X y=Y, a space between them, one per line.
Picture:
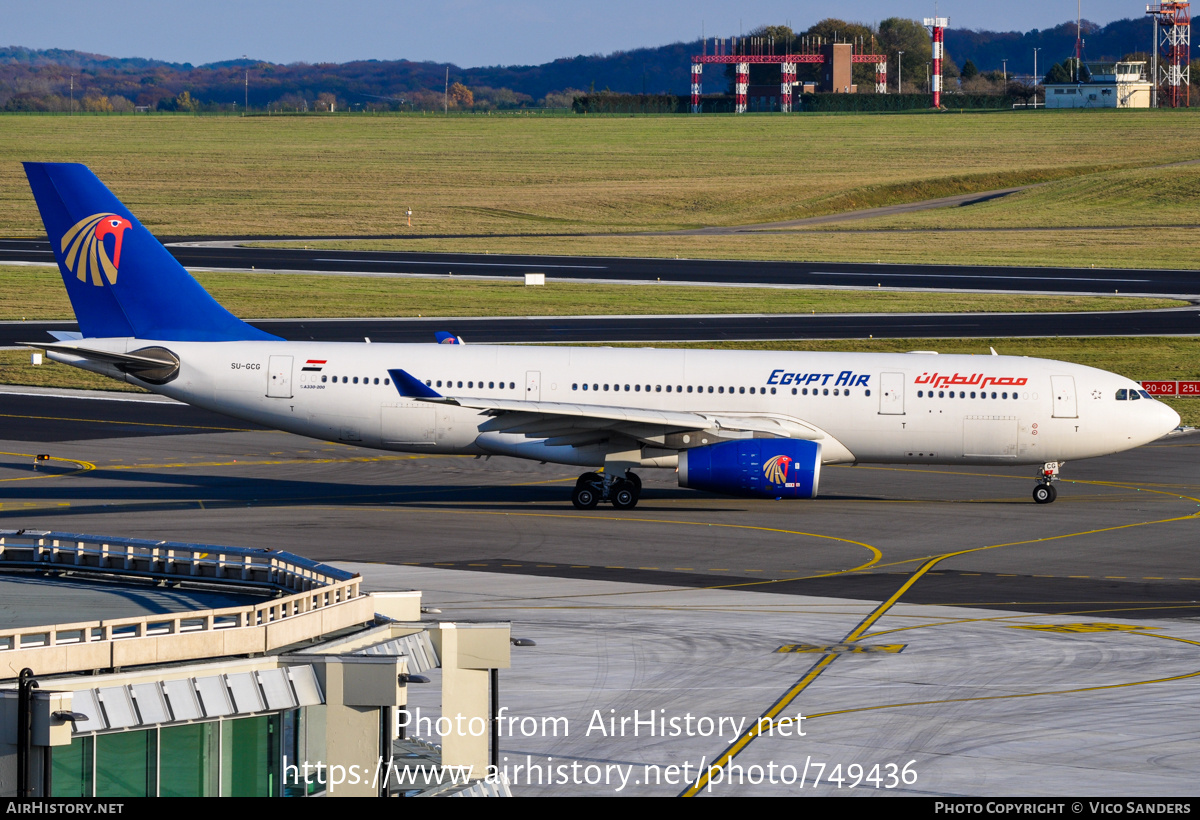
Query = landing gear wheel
x=1044 y=493
x=637 y=482
x=624 y=495
x=584 y=497
x=588 y=478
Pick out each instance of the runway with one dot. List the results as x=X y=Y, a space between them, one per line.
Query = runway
x=747 y=328
x=223 y=254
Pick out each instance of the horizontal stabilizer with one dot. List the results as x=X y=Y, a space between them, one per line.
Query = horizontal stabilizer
x=155 y=365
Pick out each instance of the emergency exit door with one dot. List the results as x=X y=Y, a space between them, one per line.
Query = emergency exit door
x=891 y=394
x=279 y=377
x=1065 y=405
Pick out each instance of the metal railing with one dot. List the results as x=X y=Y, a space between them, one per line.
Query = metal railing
x=164 y=560
x=313 y=586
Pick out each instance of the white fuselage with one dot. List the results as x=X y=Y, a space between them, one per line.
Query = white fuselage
x=863 y=407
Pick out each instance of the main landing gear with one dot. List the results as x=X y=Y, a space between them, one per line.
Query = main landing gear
x=621 y=491
x=1045 y=492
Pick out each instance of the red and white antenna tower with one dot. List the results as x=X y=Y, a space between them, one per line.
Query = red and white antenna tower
x=1173 y=20
x=938 y=27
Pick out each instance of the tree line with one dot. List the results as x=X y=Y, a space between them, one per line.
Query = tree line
x=60 y=80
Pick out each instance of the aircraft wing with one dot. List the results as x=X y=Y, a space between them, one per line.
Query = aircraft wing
x=576 y=424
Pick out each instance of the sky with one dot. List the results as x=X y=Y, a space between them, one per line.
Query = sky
x=467 y=33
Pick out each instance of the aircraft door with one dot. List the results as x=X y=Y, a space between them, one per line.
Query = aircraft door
x=1063 y=388
x=533 y=385
x=891 y=394
x=279 y=377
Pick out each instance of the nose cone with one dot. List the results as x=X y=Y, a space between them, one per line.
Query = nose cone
x=1165 y=418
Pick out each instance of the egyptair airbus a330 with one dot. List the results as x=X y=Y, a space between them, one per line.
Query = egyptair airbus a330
x=736 y=422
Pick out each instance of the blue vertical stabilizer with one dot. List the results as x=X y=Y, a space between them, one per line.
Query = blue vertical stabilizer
x=121 y=280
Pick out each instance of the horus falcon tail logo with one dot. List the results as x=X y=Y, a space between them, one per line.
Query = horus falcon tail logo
x=83 y=247
x=776 y=469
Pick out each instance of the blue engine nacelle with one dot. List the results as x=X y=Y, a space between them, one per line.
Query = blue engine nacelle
x=770 y=468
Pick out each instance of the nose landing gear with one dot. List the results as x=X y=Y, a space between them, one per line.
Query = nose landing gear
x=1045 y=492
x=621 y=491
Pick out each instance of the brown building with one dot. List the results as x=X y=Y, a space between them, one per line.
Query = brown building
x=836 y=74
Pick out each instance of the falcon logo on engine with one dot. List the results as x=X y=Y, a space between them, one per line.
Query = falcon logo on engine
x=776 y=469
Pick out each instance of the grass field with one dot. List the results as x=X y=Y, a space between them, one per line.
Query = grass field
x=1125 y=218
x=1138 y=358
x=355 y=175
x=37 y=293
x=1159 y=248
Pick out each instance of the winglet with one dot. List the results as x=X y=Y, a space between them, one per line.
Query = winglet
x=410 y=387
x=445 y=338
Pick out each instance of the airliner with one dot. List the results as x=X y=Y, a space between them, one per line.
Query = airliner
x=750 y=423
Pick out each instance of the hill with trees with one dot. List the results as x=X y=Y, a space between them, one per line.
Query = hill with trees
x=61 y=80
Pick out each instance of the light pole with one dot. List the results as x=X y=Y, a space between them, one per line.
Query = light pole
x=1035 y=76
x=899 y=73
x=1005 y=62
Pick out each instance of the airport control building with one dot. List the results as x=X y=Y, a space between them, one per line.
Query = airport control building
x=1110 y=85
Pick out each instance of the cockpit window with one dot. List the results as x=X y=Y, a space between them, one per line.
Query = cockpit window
x=1133 y=395
x=1145 y=395
x=1122 y=395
